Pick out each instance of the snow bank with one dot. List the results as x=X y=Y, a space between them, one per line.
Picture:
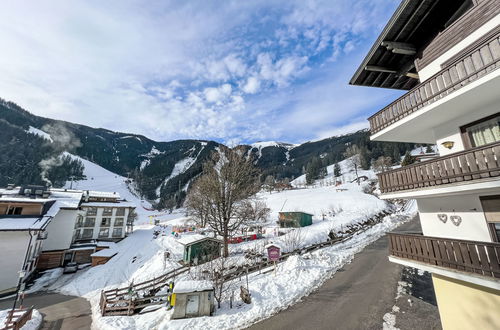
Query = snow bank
x=33 y=324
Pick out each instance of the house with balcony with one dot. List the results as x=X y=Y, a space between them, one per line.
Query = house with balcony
x=23 y=230
x=98 y=217
x=445 y=55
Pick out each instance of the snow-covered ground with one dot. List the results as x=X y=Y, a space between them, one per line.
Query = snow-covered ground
x=33 y=324
x=141 y=257
x=98 y=178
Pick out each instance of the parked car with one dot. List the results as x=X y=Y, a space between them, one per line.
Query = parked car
x=70 y=267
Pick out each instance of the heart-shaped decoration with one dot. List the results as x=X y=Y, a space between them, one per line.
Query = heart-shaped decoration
x=456 y=220
x=442 y=217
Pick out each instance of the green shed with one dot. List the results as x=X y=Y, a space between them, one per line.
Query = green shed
x=295 y=219
x=199 y=248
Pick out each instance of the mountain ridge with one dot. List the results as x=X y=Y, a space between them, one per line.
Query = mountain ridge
x=161 y=170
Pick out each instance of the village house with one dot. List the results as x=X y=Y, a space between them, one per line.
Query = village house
x=43 y=228
x=446 y=54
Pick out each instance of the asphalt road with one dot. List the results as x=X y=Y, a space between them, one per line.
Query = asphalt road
x=60 y=311
x=356 y=297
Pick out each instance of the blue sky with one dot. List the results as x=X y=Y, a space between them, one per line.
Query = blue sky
x=231 y=71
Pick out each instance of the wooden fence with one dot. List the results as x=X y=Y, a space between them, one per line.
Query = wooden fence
x=474 y=64
x=17 y=319
x=469 y=256
x=473 y=164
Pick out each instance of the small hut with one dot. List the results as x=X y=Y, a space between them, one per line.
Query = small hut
x=193 y=299
x=295 y=219
x=199 y=248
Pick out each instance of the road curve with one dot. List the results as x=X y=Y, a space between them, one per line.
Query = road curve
x=356 y=297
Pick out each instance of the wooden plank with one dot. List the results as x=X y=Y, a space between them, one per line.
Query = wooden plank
x=474 y=257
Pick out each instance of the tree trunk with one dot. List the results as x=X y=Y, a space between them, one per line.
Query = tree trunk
x=225 y=253
x=356 y=170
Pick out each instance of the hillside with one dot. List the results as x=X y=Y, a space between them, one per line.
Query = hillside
x=31 y=147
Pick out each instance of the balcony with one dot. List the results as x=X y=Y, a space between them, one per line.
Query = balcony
x=474 y=64
x=469 y=166
x=482 y=258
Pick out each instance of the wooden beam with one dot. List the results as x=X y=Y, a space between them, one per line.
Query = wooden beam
x=379 y=69
x=403 y=48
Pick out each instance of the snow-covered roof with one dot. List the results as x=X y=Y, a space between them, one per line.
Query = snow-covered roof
x=192 y=286
x=23 y=223
x=272 y=244
x=106 y=244
x=109 y=204
x=103 y=194
x=105 y=253
x=190 y=239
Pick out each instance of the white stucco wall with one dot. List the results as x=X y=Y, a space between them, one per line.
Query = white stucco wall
x=13 y=245
x=60 y=230
x=113 y=216
x=468 y=207
x=435 y=66
x=450 y=130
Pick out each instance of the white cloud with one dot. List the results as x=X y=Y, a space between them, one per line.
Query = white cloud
x=195 y=69
x=252 y=85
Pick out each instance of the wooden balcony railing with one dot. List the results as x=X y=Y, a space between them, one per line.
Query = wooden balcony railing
x=481 y=258
x=474 y=64
x=472 y=164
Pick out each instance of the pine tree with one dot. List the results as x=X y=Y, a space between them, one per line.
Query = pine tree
x=408 y=159
x=336 y=170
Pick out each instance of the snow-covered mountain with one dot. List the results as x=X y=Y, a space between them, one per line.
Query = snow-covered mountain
x=162 y=171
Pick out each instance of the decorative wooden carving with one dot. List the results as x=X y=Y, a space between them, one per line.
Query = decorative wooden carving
x=442 y=217
x=456 y=220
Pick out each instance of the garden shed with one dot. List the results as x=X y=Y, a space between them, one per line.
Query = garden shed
x=193 y=299
x=199 y=248
x=295 y=219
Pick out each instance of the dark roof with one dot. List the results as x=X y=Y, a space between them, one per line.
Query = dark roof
x=414 y=24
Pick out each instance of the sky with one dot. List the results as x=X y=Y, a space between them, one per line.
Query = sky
x=231 y=71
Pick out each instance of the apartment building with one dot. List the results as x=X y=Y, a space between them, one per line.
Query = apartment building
x=100 y=216
x=43 y=228
x=23 y=230
x=446 y=55
x=103 y=217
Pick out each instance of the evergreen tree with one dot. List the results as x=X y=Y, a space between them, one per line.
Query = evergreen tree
x=336 y=170
x=408 y=159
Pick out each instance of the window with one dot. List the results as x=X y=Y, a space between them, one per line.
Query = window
x=92 y=211
x=104 y=232
x=87 y=233
x=15 y=210
x=77 y=235
x=89 y=222
x=117 y=232
x=79 y=222
x=107 y=211
x=495 y=230
x=120 y=211
x=118 y=222
x=482 y=132
x=491 y=209
x=106 y=222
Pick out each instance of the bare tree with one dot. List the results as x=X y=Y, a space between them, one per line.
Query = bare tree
x=382 y=164
x=197 y=206
x=269 y=183
x=293 y=239
x=228 y=180
x=353 y=157
x=254 y=211
x=216 y=272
